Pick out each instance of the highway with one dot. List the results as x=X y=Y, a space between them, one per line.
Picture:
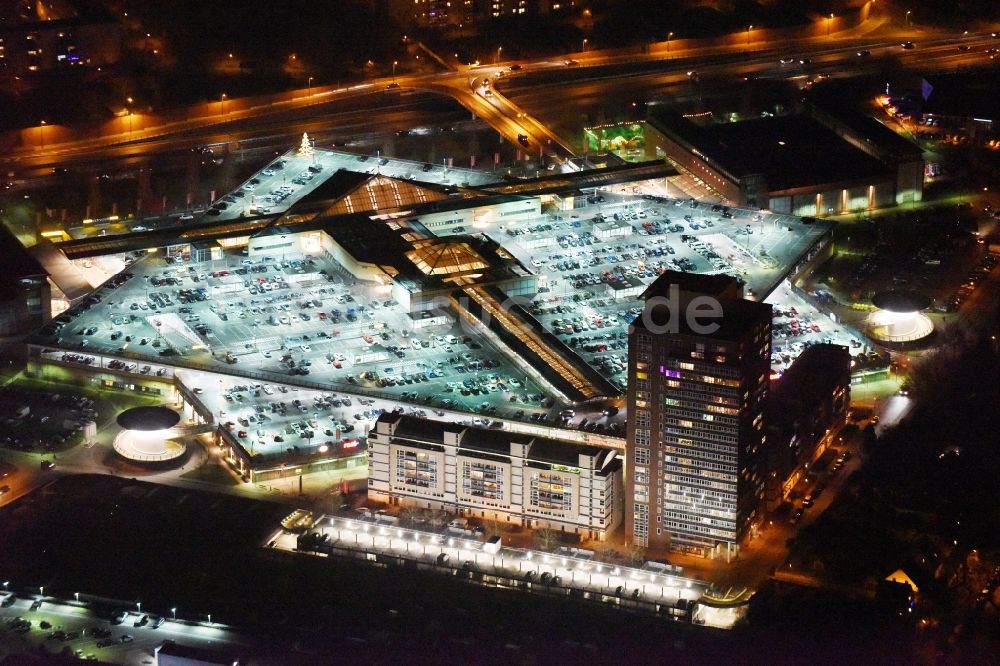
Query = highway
x=593 y=77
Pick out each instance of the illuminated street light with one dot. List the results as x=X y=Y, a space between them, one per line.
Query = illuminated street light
x=138 y=606
x=222 y=105
x=749 y=28
x=584 y=45
x=309 y=87
x=41 y=136
x=173 y=611
x=829 y=20
x=77 y=595
x=499 y=49
x=41 y=589
x=210 y=618
x=908 y=12
x=394 y=63
x=669 y=36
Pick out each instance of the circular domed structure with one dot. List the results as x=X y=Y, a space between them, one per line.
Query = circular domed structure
x=901 y=301
x=149 y=435
x=148 y=418
x=899 y=318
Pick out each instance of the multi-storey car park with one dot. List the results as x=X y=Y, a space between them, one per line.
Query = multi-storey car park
x=504 y=305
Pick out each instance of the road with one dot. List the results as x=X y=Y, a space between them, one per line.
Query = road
x=933 y=51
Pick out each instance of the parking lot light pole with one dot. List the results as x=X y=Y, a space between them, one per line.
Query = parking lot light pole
x=394 y=63
x=173 y=611
x=222 y=105
x=669 y=36
x=309 y=87
x=77 y=595
x=499 y=49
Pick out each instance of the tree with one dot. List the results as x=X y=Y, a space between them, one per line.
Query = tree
x=305 y=147
x=546 y=539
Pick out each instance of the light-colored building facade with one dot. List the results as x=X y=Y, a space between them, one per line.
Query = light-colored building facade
x=495 y=475
x=696 y=433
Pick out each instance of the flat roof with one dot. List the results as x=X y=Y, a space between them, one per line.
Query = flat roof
x=490 y=441
x=701 y=283
x=18 y=261
x=738 y=315
x=789 y=151
x=64 y=273
x=874 y=132
x=571 y=182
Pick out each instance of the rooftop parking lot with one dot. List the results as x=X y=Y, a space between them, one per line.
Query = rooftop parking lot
x=596 y=260
x=797 y=324
x=290 y=318
x=286 y=180
x=289 y=178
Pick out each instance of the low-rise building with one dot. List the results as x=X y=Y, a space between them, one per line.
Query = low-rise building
x=807 y=406
x=494 y=474
x=25 y=292
x=820 y=162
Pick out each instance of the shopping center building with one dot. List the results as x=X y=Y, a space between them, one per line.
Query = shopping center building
x=814 y=163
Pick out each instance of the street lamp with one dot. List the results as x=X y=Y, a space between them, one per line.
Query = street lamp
x=77 y=595
x=210 y=618
x=5 y=584
x=41 y=590
x=829 y=20
x=908 y=12
x=499 y=49
x=669 y=35
x=41 y=136
x=749 y=28
x=394 y=63
x=309 y=87
x=173 y=611
x=222 y=105
x=138 y=606
x=584 y=45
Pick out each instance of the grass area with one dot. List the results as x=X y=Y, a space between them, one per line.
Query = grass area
x=211 y=472
x=877 y=389
x=122 y=399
